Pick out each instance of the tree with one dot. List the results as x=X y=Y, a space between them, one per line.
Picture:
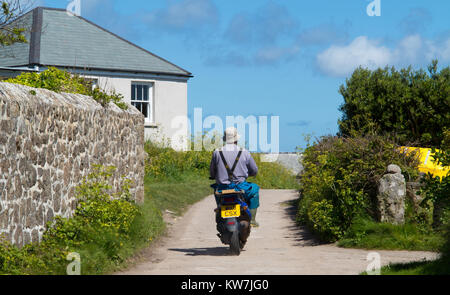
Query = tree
x=413 y=105
x=10 y=31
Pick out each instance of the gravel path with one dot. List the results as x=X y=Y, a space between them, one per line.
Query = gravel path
x=277 y=247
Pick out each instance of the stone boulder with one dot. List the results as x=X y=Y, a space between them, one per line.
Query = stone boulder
x=391 y=196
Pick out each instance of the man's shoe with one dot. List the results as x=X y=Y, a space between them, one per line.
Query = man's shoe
x=254 y=224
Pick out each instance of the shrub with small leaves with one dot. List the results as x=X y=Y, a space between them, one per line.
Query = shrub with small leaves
x=165 y=162
x=62 y=81
x=11 y=33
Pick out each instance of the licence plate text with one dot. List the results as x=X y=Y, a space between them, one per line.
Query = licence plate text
x=229 y=211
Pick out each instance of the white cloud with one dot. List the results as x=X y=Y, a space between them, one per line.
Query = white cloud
x=341 y=61
x=439 y=50
x=409 y=49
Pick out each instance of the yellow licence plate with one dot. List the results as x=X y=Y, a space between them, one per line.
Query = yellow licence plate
x=229 y=211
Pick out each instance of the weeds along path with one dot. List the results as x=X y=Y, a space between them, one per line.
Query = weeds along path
x=277 y=247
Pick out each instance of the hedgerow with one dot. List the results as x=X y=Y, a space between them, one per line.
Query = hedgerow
x=340 y=179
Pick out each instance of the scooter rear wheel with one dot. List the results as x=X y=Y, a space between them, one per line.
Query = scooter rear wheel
x=235 y=245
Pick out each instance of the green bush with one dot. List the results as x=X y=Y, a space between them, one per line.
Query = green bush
x=12 y=259
x=61 y=81
x=412 y=105
x=436 y=190
x=340 y=179
x=97 y=211
x=164 y=162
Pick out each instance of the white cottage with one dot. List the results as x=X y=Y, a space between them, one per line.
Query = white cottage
x=155 y=86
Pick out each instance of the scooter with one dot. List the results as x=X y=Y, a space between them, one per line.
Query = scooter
x=233 y=219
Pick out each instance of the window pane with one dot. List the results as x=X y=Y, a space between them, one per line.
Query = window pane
x=133 y=92
x=145 y=109
x=139 y=92
x=145 y=92
x=138 y=105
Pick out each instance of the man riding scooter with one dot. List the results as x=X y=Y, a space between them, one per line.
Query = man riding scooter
x=235 y=176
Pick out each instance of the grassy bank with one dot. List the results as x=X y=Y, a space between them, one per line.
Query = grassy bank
x=368 y=234
x=177 y=195
x=437 y=267
x=440 y=266
x=273 y=176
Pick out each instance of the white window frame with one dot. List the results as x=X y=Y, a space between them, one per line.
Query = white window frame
x=150 y=119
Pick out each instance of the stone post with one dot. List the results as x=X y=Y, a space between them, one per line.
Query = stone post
x=391 y=196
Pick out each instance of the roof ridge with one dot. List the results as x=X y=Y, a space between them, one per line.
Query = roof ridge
x=35 y=36
x=117 y=36
x=50 y=8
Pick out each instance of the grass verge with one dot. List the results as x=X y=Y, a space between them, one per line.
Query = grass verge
x=437 y=267
x=160 y=195
x=273 y=176
x=177 y=195
x=367 y=234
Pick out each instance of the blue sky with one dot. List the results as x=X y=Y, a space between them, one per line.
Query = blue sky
x=282 y=58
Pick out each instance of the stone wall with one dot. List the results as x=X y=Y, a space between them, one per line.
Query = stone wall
x=291 y=161
x=48 y=142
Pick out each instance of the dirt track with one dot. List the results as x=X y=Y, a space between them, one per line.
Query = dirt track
x=277 y=247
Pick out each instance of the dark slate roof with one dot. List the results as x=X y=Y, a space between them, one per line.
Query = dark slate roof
x=64 y=40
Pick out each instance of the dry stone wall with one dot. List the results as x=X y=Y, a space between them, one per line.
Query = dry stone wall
x=48 y=143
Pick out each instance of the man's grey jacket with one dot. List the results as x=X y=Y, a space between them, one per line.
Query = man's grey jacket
x=245 y=167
